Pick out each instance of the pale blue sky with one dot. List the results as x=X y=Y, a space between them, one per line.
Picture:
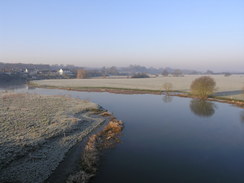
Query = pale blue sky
x=196 y=34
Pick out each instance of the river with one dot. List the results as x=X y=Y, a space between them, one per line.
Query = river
x=169 y=139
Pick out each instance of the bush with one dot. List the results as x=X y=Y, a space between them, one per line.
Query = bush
x=203 y=86
x=227 y=74
x=178 y=73
x=140 y=75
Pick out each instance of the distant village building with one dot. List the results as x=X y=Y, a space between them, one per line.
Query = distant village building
x=81 y=74
x=61 y=71
x=26 y=71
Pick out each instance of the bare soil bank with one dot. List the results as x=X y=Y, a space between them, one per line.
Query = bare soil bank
x=37 y=131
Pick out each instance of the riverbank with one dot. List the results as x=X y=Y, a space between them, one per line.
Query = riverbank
x=37 y=131
x=223 y=99
x=95 y=146
x=231 y=86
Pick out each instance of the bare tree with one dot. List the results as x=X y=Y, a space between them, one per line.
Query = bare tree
x=203 y=86
x=177 y=73
x=81 y=74
x=167 y=87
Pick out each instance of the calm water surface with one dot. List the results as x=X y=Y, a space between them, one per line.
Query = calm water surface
x=171 y=140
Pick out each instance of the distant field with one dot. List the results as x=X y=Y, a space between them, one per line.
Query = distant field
x=230 y=86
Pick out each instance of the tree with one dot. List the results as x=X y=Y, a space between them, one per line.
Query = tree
x=177 y=73
x=227 y=74
x=165 y=73
x=167 y=87
x=140 y=75
x=104 y=72
x=203 y=86
x=113 y=70
x=209 y=72
x=81 y=74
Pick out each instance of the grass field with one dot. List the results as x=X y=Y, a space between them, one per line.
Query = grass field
x=230 y=87
x=36 y=131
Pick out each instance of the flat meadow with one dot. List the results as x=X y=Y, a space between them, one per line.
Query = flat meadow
x=226 y=86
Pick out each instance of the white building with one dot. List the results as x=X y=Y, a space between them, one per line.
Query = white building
x=61 y=71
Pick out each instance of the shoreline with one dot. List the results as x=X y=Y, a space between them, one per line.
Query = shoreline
x=238 y=103
x=95 y=146
x=70 y=165
x=101 y=89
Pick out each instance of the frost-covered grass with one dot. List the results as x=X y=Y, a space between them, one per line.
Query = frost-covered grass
x=231 y=85
x=36 y=131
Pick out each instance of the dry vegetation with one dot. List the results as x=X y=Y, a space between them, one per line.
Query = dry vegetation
x=167 y=87
x=36 y=132
x=226 y=86
x=105 y=139
x=203 y=86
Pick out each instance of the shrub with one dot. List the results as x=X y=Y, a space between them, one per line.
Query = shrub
x=178 y=73
x=203 y=86
x=227 y=74
x=140 y=75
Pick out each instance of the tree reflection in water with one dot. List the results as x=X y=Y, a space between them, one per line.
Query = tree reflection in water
x=202 y=108
x=167 y=98
x=242 y=116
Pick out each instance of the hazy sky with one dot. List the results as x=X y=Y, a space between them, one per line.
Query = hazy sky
x=196 y=34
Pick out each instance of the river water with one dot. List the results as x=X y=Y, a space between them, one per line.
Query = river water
x=169 y=139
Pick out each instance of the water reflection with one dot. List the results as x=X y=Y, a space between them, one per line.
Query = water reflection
x=12 y=85
x=167 y=98
x=202 y=108
x=242 y=116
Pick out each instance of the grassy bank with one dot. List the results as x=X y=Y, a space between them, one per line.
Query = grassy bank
x=227 y=86
x=36 y=131
x=96 y=144
x=229 y=89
